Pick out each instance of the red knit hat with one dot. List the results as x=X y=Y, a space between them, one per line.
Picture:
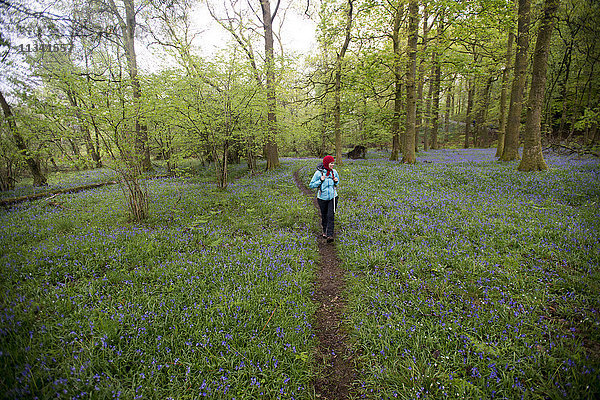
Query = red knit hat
x=326 y=161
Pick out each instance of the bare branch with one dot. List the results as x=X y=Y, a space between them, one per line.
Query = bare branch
x=275 y=12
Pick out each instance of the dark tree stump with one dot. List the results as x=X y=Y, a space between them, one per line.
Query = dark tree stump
x=358 y=152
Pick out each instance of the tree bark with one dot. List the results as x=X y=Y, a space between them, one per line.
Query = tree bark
x=437 y=77
x=85 y=130
x=447 y=115
x=511 y=139
x=595 y=134
x=397 y=84
x=484 y=103
x=503 y=92
x=128 y=26
x=34 y=166
x=458 y=97
x=409 y=156
x=95 y=147
x=271 y=150
x=468 y=118
x=91 y=149
x=221 y=158
x=421 y=79
x=564 y=90
x=338 y=85
x=427 y=114
x=533 y=159
x=568 y=43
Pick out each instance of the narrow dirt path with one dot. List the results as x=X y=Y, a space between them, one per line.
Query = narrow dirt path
x=333 y=358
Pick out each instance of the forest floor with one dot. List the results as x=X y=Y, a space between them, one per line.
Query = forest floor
x=333 y=358
x=458 y=277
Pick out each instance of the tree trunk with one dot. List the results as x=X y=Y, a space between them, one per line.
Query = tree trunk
x=141 y=131
x=533 y=159
x=322 y=151
x=221 y=163
x=587 y=88
x=251 y=161
x=75 y=148
x=338 y=86
x=421 y=78
x=76 y=154
x=595 y=135
x=95 y=148
x=91 y=149
x=63 y=152
x=511 y=139
x=458 y=97
x=250 y=156
x=409 y=156
x=34 y=165
x=468 y=118
x=505 y=75
x=7 y=175
x=397 y=84
x=271 y=150
x=447 y=116
x=437 y=77
x=578 y=100
x=427 y=114
x=85 y=130
x=482 y=132
x=564 y=93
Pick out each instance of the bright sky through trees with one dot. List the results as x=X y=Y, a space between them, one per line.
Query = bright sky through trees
x=295 y=29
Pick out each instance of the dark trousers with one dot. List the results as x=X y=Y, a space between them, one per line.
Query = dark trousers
x=327 y=215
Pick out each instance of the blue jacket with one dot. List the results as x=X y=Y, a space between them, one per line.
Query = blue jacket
x=327 y=189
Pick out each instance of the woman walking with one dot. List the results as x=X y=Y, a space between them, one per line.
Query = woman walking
x=326 y=179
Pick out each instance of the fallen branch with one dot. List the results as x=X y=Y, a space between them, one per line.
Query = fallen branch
x=580 y=151
x=53 y=193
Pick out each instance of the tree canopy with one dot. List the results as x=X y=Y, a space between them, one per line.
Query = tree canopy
x=124 y=82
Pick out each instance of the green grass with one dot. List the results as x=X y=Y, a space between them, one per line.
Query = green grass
x=465 y=279
x=210 y=297
x=468 y=279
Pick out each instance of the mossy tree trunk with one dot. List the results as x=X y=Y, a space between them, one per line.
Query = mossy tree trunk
x=128 y=26
x=437 y=77
x=503 y=93
x=420 y=78
x=511 y=138
x=397 y=83
x=533 y=159
x=481 y=137
x=34 y=165
x=85 y=130
x=468 y=117
x=408 y=155
x=447 y=116
x=271 y=151
x=427 y=114
x=338 y=84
